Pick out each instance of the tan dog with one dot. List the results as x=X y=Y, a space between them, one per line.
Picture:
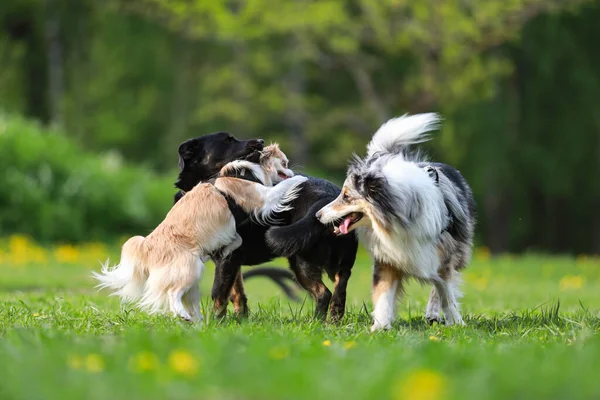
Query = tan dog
x=271 y=169
x=161 y=272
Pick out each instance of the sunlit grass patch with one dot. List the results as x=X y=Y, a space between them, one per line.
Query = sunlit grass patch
x=533 y=331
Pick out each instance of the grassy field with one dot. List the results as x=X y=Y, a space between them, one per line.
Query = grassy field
x=533 y=331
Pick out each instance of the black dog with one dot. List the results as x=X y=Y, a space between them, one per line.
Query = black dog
x=200 y=160
x=310 y=247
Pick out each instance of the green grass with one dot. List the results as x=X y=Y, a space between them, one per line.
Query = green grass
x=533 y=331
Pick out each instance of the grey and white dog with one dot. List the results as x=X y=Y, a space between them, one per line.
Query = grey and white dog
x=416 y=217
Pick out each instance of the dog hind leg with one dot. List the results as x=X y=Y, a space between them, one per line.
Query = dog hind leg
x=432 y=312
x=191 y=298
x=310 y=279
x=191 y=301
x=176 y=303
x=448 y=293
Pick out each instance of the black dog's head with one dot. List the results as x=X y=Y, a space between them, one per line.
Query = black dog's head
x=203 y=157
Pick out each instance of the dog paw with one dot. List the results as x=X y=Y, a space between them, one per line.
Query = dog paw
x=378 y=327
x=455 y=321
x=431 y=319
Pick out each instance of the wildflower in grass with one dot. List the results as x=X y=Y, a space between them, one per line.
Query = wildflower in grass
x=349 y=345
x=144 y=361
x=422 y=384
x=19 y=243
x=327 y=343
x=483 y=253
x=94 y=363
x=571 y=282
x=19 y=247
x=66 y=254
x=74 y=361
x=36 y=314
x=434 y=339
x=183 y=363
x=279 y=353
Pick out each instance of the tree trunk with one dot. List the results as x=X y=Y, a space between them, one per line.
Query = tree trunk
x=497 y=206
x=55 y=62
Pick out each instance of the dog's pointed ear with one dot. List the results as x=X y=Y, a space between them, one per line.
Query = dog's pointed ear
x=433 y=174
x=268 y=151
x=370 y=185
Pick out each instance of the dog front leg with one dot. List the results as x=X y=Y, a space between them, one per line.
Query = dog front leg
x=387 y=285
x=226 y=272
x=338 y=301
x=238 y=297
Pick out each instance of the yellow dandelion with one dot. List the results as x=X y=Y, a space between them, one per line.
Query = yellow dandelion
x=36 y=314
x=434 y=339
x=66 y=254
x=422 y=384
x=327 y=343
x=19 y=243
x=19 y=247
x=279 y=353
x=144 y=361
x=350 y=345
x=94 y=363
x=571 y=282
x=483 y=253
x=183 y=363
x=74 y=361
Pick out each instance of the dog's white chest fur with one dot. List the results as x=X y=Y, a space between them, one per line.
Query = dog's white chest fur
x=416 y=257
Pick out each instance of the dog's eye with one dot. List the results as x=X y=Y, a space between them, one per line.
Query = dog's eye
x=345 y=197
x=284 y=163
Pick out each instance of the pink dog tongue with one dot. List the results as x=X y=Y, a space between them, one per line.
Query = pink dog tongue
x=344 y=225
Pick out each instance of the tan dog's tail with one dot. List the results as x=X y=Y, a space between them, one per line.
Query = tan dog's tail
x=127 y=279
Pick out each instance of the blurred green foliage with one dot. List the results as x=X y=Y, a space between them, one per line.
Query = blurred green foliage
x=517 y=81
x=53 y=191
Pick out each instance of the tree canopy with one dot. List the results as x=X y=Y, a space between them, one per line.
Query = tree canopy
x=516 y=80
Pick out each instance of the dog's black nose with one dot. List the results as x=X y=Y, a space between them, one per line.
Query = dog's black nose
x=260 y=141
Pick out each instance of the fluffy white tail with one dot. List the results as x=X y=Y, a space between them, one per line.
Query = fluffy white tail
x=400 y=132
x=127 y=279
x=277 y=199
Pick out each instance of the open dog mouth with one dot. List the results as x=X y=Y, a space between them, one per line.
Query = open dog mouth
x=342 y=226
x=282 y=175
